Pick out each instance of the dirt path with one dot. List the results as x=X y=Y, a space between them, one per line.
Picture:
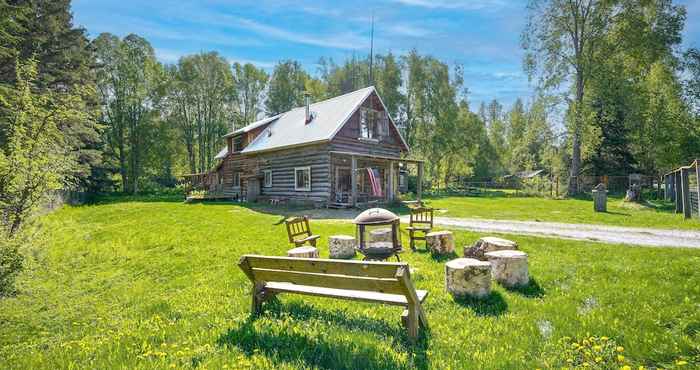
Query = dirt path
x=599 y=233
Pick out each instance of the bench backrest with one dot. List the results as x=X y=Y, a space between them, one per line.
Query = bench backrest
x=383 y=277
x=297 y=226
x=422 y=215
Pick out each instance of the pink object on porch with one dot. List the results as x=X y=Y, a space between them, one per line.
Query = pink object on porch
x=374 y=180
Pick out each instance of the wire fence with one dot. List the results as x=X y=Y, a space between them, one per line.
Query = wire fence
x=682 y=186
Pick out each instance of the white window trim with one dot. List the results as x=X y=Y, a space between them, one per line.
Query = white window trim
x=236 y=174
x=307 y=188
x=265 y=184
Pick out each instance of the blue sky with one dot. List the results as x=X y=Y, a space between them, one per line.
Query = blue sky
x=481 y=35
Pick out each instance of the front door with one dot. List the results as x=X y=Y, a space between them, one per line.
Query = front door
x=253 y=189
x=343 y=185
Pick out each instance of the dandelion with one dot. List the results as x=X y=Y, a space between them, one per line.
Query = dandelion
x=620 y=349
x=620 y=358
x=625 y=368
x=681 y=362
x=598 y=359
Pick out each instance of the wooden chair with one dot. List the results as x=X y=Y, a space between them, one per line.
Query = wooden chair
x=421 y=221
x=366 y=281
x=299 y=231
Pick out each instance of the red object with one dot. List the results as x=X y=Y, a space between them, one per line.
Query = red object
x=374 y=180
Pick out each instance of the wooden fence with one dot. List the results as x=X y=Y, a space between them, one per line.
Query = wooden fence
x=682 y=186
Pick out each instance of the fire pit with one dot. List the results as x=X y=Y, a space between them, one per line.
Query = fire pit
x=371 y=220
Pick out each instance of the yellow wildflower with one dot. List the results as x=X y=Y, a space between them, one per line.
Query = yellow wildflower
x=620 y=358
x=626 y=367
x=620 y=349
x=681 y=362
x=598 y=359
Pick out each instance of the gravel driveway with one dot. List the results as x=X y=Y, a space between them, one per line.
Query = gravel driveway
x=599 y=233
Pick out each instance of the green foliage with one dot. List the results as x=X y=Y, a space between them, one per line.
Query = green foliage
x=287 y=87
x=144 y=284
x=34 y=159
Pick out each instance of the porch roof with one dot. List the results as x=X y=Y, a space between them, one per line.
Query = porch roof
x=373 y=156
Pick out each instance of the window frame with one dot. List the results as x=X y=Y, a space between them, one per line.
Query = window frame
x=236 y=180
x=265 y=178
x=296 y=180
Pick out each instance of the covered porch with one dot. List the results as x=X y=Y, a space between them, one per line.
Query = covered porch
x=361 y=180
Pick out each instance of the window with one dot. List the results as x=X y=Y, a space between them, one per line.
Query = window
x=236 y=180
x=373 y=124
x=366 y=124
x=302 y=178
x=238 y=143
x=268 y=178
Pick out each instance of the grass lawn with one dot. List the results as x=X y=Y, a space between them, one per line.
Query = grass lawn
x=656 y=214
x=155 y=285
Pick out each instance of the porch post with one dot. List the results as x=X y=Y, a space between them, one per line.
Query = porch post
x=353 y=181
x=390 y=183
x=419 y=183
x=679 y=191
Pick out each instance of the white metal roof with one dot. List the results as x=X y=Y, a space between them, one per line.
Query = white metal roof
x=222 y=153
x=289 y=129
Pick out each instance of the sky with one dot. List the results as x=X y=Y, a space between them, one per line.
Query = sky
x=483 y=36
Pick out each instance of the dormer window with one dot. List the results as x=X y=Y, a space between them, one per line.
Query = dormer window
x=238 y=143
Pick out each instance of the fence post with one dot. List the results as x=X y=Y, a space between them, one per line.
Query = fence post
x=697 y=182
x=685 y=186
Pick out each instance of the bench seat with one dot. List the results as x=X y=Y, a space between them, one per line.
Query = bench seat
x=354 y=295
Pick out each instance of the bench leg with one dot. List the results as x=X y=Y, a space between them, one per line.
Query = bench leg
x=413 y=242
x=412 y=322
x=257 y=298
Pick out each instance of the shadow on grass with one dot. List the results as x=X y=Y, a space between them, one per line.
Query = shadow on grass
x=531 y=290
x=284 y=346
x=442 y=257
x=493 y=305
x=99 y=199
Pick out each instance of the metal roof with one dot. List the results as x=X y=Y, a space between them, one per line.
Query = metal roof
x=290 y=128
x=253 y=125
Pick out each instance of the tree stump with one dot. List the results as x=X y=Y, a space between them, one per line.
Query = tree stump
x=468 y=277
x=509 y=268
x=440 y=242
x=488 y=244
x=341 y=246
x=303 y=252
x=380 y=236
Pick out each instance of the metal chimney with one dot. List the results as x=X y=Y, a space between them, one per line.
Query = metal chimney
x=307 y=98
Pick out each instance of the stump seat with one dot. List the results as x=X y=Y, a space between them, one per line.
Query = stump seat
x=488 y=244
x=468 y=277
x=440 y=242
x=367 y=281
x=308 y=252
x=509 y=267
x=341 y=246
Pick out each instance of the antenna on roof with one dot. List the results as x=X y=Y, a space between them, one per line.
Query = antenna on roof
x=371 y=51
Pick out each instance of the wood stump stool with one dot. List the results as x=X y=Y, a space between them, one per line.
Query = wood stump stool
x=468 y=277
x=440 y=242
x=488 y=244
x=341 y=246
x=509 y=267
x=380 y=236
x=303 y=252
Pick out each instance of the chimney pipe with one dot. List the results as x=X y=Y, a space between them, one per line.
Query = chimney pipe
x=307 y=97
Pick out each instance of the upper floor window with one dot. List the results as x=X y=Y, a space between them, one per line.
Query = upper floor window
x=238 y=143
x=373 y=124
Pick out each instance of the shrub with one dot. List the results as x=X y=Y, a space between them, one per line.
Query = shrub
x=10 y=264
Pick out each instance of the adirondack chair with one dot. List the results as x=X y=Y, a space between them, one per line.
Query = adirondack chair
x=366 y=281
x=421 y=222
x=299 y=231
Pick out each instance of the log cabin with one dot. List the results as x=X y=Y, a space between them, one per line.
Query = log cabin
x=341 y=152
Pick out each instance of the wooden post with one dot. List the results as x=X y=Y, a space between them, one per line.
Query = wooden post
x=685 y=188
x=678 y=182
x=353 y=181
x=390 y=183
x=697 y=180
x=419 y=183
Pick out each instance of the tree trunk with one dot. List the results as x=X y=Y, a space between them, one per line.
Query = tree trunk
x=575 y=169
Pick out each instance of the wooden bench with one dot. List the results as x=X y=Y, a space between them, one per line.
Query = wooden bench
x=366 y=281
x=299 y=231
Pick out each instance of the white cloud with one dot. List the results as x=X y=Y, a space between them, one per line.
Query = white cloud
x=257 y=63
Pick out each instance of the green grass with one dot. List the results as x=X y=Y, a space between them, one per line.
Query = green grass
x=155 y=285
x=656 y=214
